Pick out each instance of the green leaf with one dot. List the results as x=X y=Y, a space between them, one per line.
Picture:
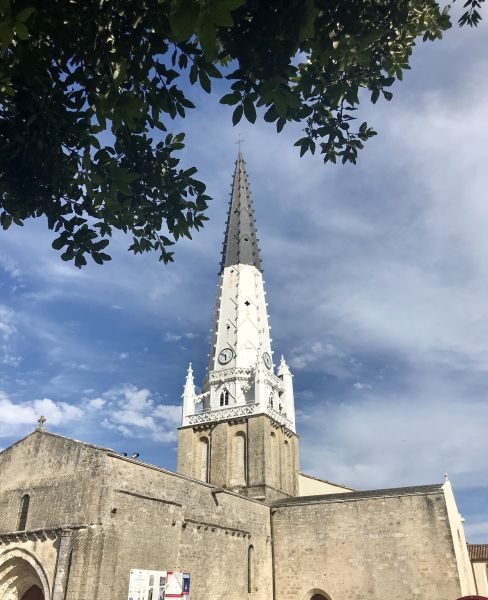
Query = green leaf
x=230 y=98
x=59 y=242
x=249 y=111
x=183 y=18
x=24 y=14
x=307 y=27
x=237 y=115
x=193 y=74
x=80 y=260
x=207 y=35
x=213 y=71
x=21 y=30
x=5 y=220
x=205 y=81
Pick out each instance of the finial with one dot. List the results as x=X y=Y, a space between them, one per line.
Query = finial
x=446 y=478
x=41 y=420
x=239 y=141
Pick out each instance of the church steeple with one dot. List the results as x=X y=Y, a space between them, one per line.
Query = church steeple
x=240 y=243
x=241 y=392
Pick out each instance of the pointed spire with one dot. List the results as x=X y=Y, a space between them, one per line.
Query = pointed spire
x=189 y=382
x=189 y=396
x=283 y=369
x=240 y=244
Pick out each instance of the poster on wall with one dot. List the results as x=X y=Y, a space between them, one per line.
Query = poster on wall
x=158 y=585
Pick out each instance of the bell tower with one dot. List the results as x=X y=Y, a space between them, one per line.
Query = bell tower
x=239 y=433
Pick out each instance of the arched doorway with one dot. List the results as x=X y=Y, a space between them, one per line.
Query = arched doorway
x=22 y=577
x=33 y=593
x=317 y=594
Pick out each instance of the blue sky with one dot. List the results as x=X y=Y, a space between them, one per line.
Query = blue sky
x=377 y=280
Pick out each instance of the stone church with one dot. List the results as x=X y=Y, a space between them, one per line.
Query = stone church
x=238 y=515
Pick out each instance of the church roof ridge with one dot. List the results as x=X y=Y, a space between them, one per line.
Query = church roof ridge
x=363 y=495
x=240 y=242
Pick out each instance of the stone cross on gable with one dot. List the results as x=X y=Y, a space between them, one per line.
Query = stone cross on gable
x=41 y=420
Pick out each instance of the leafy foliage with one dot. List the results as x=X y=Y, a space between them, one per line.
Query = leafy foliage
x=472 y=15
x=85 y=85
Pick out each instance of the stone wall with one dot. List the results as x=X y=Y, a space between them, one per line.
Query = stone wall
x=63 y=478
x=109 y=514
x=162 y=521
x=364 y=546
x=271 y=456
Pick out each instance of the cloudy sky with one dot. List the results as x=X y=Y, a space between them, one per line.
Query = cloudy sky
x=377 y=279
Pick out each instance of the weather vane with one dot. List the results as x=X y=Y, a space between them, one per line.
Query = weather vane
x=239 y=141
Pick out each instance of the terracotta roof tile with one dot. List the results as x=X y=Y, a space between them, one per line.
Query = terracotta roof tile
x=478 y=551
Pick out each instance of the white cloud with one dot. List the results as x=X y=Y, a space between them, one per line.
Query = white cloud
x=135 y=412
x=14 y=416
x=190 y=335
x=7 y=322
x=358 y=385
x=170 y=413
x=307 y=354
x=172 y=337
x=123 y=355
x=394 y=440
x=96 y=403
x=10 y=266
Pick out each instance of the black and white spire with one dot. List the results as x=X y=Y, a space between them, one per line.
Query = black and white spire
x=241 y=379
x=240 y=243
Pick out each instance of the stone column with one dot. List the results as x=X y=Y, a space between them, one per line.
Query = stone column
x=62 y=565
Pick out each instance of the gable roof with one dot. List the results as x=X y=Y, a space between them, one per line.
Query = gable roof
x=38 y=431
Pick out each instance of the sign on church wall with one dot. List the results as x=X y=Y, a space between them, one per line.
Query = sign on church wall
x=158 y=585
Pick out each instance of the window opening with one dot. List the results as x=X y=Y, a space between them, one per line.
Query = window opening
x=250 y=568
x=24 y=511
x=238 y=466
x=204 y=452
x=224 y=398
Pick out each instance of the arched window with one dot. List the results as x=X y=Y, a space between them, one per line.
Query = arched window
x=224 y=398
x=23 y=512
x=286 y=459
x=250 y=568
x=204 y=452
x=239 y=463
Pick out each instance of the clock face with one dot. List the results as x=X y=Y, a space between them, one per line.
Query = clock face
x=267 y=360
x=225 y=356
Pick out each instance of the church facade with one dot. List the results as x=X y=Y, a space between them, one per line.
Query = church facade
x=238 y=515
